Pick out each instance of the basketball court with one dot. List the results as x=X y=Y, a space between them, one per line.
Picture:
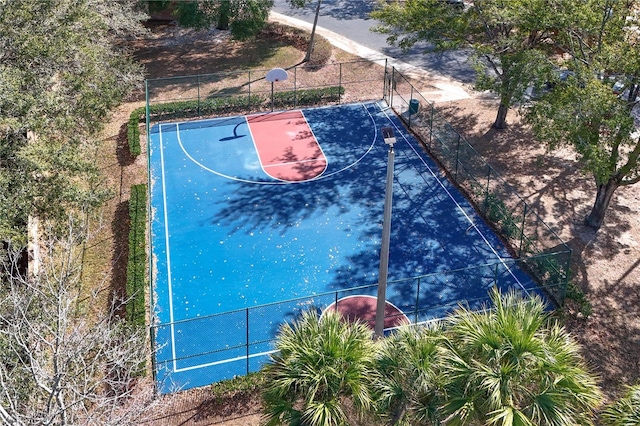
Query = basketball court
x=255 y=218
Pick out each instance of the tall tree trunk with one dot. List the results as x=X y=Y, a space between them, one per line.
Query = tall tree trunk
x=33 y=246
x=307 y=57
x=603 y=198
x=501 y=118
x=223 y=17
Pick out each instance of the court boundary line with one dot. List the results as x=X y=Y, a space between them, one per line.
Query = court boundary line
x=276 y=182
x=174 y=359
x=168 y=249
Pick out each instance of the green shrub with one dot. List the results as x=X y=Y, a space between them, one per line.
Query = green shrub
x=307 y=97
x=133 y=131
x=575 y=293
x=180 y=110
x=137 y=262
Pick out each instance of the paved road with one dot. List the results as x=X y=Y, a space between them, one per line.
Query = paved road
x=350 y=19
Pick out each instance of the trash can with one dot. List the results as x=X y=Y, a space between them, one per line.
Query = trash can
x=413 y=106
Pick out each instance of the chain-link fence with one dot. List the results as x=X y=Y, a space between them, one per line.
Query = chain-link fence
x=509 y=214
x=207 y=95
x=238 y=342
x=223 y=345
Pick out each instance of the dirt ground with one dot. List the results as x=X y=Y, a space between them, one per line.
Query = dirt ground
x=606 y=264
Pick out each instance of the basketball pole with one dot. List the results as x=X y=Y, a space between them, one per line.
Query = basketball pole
x=273 y=76
x=389 y=139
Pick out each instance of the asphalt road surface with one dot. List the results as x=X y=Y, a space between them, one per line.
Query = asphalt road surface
x=350 y=19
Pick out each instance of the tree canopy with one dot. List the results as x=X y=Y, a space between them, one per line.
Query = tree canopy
x=244 y=19
x=62 y=69
x=510 y=40
x=591 y=110
x=509 y=364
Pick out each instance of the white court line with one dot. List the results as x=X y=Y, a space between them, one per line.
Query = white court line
x=456 y=203
x=286 y=163
x=224 y=361
x=323 y=176
x=167 y=248
x=166 y=222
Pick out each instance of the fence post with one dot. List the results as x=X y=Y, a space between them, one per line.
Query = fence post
x=295 y=87
x=198 y=85
x=433 y=109
x=565 y=280
x=522 y=225
x=393 y=86
x=386 y=85
x=247 y=341
x=486 y=191
x=249 y=85
x=154 y=366
x=340 y=85
x=415 y=311
x=409 y=106
x=457 y=157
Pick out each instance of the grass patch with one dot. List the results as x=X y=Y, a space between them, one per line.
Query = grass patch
x=240 y=384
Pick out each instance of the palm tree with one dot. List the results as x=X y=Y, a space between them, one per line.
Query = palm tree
x=321 y=372
x=625 y=411
x=408 y=390
x=512 y=365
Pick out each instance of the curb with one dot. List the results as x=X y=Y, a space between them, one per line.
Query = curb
x=446 y=89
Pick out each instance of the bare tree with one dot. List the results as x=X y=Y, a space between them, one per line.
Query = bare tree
x=64 y=359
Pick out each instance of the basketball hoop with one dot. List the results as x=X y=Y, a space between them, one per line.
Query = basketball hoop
x=275 y=75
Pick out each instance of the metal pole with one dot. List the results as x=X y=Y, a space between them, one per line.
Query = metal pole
x=247 y=341
x=384 y=251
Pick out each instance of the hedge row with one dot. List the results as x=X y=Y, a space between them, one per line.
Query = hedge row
x=133 y=130
x=219 y=106
x=137 y=262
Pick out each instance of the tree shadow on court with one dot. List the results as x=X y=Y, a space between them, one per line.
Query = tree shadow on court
x=430 y=234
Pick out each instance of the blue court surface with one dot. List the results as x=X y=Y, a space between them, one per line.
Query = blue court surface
x=226 y=236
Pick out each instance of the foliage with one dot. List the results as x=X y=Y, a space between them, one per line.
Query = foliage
x=410 y=389
x=67 y=359
x=321 y=367
x=509 y=40
x=137 y=263
x=249 y=383
x=508 y=366
x=584 y=112
x=62 y=69
x=307 y=97
x=575 y=293
x=133 y=130
x=498 y=213
x=625 y=411
x=245 y=19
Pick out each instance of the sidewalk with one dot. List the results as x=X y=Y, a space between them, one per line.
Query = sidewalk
x=443 y=88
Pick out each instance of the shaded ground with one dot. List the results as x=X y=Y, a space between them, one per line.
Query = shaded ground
x=606 y=264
